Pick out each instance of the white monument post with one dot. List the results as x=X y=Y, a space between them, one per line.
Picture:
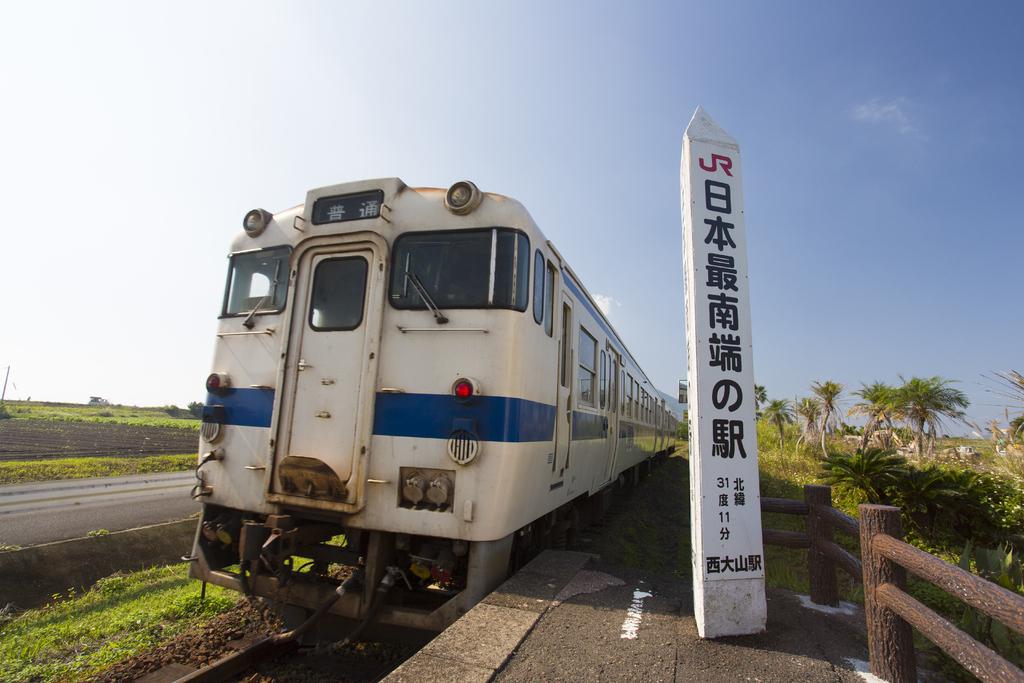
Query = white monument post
x=725 y=498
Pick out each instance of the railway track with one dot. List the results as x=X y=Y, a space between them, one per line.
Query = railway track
x=270 y=659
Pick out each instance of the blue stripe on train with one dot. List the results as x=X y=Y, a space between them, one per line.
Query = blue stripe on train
x=431 y=416
x=245 y=407
x=491 y=418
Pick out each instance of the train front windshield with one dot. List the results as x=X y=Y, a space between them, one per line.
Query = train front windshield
x=257 y=281
x=487 y=268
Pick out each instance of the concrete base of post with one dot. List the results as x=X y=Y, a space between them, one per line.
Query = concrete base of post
x=730 y=608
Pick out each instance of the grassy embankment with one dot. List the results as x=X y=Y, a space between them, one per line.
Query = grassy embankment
x=122 y=615
x=25 y=471
x=653 y=533
x=165 y=416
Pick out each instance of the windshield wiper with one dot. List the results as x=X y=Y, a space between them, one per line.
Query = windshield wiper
x=440 y=317
x=248 y=322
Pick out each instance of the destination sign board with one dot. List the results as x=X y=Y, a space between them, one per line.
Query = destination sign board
x=348 y=207
x=725 y=504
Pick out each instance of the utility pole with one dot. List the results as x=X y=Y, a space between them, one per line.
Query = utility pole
x=7 y=376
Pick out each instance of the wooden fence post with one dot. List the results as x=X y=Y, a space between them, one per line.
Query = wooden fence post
x=890 y=639
x=822 y=571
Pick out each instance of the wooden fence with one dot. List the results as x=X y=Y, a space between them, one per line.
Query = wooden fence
x=882 y=568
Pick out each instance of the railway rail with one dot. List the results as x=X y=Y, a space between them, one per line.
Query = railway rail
x=284 y=646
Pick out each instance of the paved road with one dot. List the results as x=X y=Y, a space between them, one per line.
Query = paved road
x=57 y=510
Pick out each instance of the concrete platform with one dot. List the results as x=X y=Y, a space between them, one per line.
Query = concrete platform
x=568 y=617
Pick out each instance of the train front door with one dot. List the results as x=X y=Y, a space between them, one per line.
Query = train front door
x=326 y=413
x=563 y=404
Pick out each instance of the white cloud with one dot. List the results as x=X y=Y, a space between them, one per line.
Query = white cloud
x=889 y=112
x=606 y=303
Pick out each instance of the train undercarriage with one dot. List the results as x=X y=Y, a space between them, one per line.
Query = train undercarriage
x=378 y=585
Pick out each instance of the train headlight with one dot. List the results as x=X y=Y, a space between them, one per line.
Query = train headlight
x=440 y=489
x=462 y=197
x=256 y=221
x=414 y=488
x=218 y=383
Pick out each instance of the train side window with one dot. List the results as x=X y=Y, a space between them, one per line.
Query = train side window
x=566 y=344
x=610 y=390
x=339 y=288
x=632 y=397
x=511 y=279
x=538 y=287
x=588 y=366
x=603 y=391
x=623 y=408
x=549 y=300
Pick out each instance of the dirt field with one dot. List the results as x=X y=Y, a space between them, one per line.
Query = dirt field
x=34 y=439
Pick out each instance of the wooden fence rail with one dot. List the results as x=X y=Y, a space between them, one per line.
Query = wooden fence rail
x=824 y=555
x=882 y=567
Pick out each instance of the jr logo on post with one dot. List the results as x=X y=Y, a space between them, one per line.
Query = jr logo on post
x=725 y=501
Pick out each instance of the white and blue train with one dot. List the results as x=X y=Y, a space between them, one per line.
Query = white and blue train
x=411 y=384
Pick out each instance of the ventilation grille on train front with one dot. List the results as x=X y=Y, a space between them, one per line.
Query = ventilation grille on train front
x=463 y=446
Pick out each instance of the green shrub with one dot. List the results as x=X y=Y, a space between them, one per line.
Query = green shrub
x=922 y=492
x=999 y=566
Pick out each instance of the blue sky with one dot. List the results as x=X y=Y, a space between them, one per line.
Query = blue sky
x=880 y=141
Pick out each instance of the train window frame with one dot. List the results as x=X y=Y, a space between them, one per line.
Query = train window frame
x=549 y=300
x=313 y=291
x=284 y=278
x=602 y=388
x=623 y=408
x=565 y=349
x=538 y=287
x=613 y=384
x=586 y=372
x=632 y=401
x=495 y=230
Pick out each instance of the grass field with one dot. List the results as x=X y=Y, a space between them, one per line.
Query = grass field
x=120 y=616
x=24 y=471
x=165 y=416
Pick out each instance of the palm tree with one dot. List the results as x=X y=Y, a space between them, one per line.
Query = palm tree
x=877 y=405
x=780 y=413
x=828 y=395
x=760 y=398
x=925 y=402
x=872 y=471
x=809 y=412
x=1016 y=427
